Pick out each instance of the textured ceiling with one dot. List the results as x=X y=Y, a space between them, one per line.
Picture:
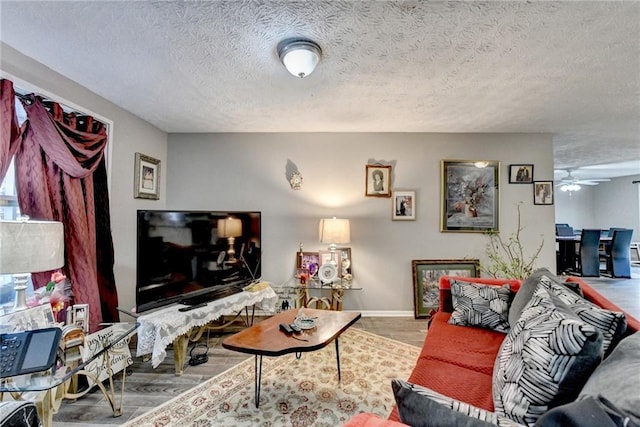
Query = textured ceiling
x=567 y=68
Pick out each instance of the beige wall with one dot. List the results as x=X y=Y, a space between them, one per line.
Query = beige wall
x=248 y=172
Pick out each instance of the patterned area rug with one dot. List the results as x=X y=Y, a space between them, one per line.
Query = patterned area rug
x=296 y=392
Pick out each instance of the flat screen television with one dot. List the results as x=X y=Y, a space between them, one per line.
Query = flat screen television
x=192 y=256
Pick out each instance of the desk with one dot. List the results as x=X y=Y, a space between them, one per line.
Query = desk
x=105 y=352
x=168 y=325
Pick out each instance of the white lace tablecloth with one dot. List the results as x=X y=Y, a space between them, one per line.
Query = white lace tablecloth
x=159 y=329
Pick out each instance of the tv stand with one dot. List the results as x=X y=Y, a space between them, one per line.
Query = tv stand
x=168 y=325
x=216 y=293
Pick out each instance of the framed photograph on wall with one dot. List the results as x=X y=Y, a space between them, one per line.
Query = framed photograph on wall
x=520 y=174
x=543 y=192
x=470 y=195
x=426 y=278
x=378 y=181
x=146 y=177
x=403 y=205
x=309 y=261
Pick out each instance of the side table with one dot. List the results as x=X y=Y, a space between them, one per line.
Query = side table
x=311 y=294
x=47 y=389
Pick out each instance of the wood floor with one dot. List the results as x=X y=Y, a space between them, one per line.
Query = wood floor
x=147 y=388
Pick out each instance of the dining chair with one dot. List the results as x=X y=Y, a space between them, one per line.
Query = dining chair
x=588 y=255
x=564 y=230
x=617 y=257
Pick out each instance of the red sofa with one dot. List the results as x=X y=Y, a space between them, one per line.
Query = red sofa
x=458 y=361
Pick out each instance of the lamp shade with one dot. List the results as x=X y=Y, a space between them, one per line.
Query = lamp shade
x=229 y=227
x=31 y=246
x=334 y=231
x=300 y=57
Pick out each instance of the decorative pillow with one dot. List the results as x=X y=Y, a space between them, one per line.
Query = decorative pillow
x=544 y=360
x=480 y=305
x=523 y=295
x=586 y=412
x=612 y=324
x=422 y=407
x=618 y=377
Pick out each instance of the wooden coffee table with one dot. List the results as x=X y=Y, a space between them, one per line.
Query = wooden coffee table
x=266 y=338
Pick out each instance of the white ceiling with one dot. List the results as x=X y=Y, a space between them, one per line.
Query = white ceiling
x=567 y=68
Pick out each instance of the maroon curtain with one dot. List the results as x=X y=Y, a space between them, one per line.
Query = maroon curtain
x=10 y=131
x=61 y=176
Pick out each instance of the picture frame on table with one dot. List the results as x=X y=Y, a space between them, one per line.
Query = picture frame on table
x=309 y=261
x=346 y=265
x=470 y=195
x=378 y=180
x=146 y=177
x=543 y=193
x=426 y=281
x=80 y=313
x=521 y=174
x=38 y=317
x=403 y=205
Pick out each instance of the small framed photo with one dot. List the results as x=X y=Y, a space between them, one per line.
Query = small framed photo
x=543 y=192
x=520 y=174
x=146 y=177
x=80 y=314
x=426 y=281
x=309 y=261
x=345 y=272
x=404 y=205
x=378 y=181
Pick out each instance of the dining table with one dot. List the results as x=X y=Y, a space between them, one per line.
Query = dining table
x=569 y=249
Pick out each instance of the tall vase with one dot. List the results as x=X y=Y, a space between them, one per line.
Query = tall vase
x=470 y=211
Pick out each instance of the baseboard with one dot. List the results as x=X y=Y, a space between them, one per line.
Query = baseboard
x=372 y=313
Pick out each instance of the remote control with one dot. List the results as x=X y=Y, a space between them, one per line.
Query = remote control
x=295 y=328
x=286 y=328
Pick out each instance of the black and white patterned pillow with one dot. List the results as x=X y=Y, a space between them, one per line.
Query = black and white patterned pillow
x=475 y=304
x=612 y=324
x=545 y=359
x=420 y=406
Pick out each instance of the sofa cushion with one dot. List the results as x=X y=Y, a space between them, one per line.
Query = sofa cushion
x=480 y=305
x=617 y=378
x=586 y=412
x=523 y=295
x=611 y=324
x=544 y=360
x=422 y=407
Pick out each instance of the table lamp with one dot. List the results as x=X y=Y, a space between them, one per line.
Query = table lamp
x=230 y=228
x=27 y=247
x=334 y=231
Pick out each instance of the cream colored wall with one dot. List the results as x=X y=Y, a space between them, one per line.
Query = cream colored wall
x=248 y=172
x=130 y=134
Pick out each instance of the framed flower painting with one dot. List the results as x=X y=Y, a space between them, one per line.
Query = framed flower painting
x=470 y=195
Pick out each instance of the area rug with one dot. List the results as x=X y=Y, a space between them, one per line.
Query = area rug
x=296 y=392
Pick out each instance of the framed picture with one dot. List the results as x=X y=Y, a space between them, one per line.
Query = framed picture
x=378 y=181
x=146 y=177
x=470 y=195
x=543 y=192
x=404 y=206
x=37 y=317
x=80 y=313
x=309 y=261
x=426 y=279
x=520 y=174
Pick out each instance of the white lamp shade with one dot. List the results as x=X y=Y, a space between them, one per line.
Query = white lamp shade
x=229 y=227
x=31 y=246
x=300 y=57
x=334 y=230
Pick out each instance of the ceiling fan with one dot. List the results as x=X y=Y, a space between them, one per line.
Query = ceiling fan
x=570 y=183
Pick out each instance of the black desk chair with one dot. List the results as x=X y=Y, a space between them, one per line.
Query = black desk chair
x=588 y=255
x=617 y=257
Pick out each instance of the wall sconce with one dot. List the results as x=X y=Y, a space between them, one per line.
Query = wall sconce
x=26 y=247
x=299 y=56
x=334 y=231
x=230 y=228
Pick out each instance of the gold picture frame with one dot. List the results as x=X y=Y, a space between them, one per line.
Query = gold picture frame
x=470 y=196
x=146 y=177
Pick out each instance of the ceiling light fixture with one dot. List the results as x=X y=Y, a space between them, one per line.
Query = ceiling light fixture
x=570 y=187
x=299 y=56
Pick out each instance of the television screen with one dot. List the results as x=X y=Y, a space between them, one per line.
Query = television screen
x=185 y=256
